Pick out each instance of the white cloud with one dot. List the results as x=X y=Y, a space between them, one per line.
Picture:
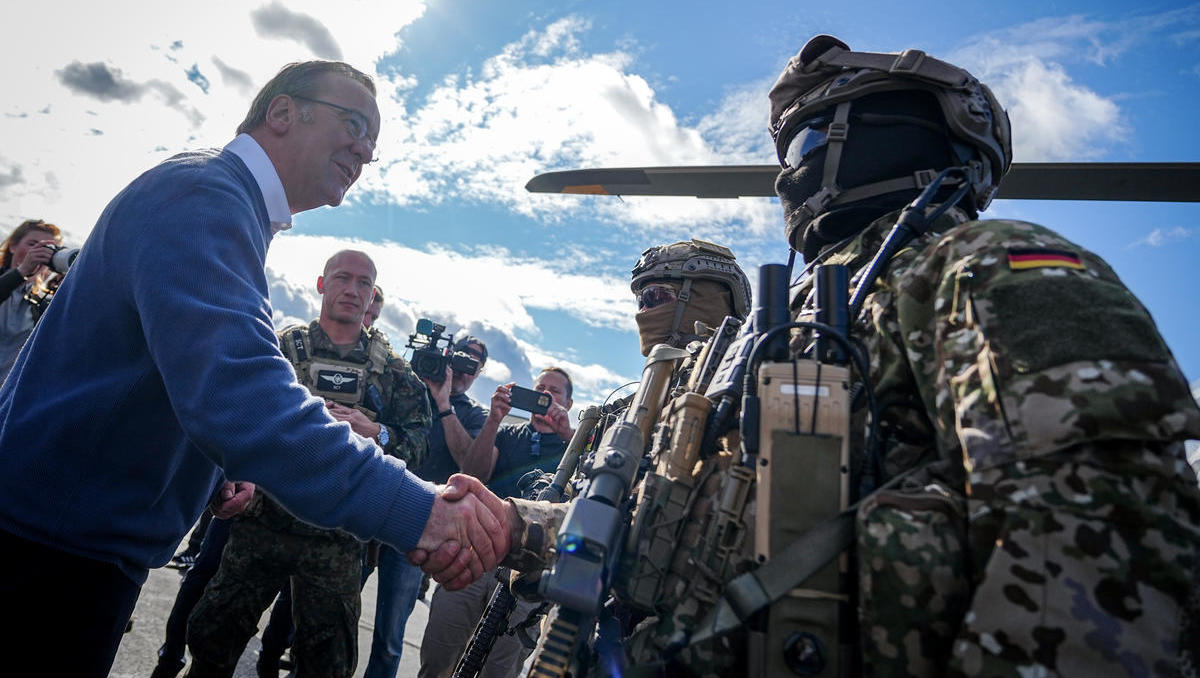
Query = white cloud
x=1054 y=116
x=592 y=382
x=185 y=78
x=1161 y=236
x=542 y=104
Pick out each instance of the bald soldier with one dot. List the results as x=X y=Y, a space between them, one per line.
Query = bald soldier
x=367 y=386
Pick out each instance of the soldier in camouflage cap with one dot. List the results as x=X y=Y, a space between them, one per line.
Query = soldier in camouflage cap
x=1053 y=526
x=365 y=384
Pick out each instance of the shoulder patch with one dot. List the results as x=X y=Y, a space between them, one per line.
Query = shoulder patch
x=1019 y=259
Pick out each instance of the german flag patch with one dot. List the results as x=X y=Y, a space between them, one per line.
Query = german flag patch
x=1020 y=259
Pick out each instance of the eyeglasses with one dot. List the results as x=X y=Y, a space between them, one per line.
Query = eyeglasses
x=810 y=135
x=653 y=296
x=356 y=123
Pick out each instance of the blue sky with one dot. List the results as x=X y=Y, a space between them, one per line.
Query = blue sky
x=477 y=97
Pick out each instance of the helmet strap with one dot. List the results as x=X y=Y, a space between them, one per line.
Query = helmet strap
x=681 y=301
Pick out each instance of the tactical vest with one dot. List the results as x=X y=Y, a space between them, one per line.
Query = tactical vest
x=350 y=383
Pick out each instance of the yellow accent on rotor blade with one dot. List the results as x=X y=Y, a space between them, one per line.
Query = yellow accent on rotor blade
x=586 y=189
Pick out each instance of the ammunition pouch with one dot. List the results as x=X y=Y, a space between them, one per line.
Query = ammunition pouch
x=906 y=621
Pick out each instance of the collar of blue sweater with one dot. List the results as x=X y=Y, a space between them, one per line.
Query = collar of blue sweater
x=245 y=147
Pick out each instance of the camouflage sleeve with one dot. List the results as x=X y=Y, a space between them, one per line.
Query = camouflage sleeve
x=1021 y=343
x=406 y=415
x=533 y=534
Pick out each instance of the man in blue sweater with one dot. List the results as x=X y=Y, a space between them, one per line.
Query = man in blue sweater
x=156 y=375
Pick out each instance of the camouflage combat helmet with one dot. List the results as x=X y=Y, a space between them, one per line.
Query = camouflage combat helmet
x=687 y=261
x=826 y=77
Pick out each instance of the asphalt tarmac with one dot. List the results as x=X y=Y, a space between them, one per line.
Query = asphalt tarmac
x=138 y=652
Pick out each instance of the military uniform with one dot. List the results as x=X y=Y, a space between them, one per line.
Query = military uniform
x=268 y=545
x=1054 y=528
x=678 y=605
x=1051 y=525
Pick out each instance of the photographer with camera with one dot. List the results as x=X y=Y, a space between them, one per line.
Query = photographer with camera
x=457 y=420
x=24 y=275
x=499 y=456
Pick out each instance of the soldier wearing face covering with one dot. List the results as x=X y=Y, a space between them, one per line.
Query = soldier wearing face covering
x=1049 y=524
x=683 y=283
x=684 y=290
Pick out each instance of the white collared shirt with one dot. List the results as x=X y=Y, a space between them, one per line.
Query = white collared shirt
x=263 y=170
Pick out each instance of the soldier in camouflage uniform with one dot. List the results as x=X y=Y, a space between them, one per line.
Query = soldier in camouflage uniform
x=368 y=386
x=1053 y=525
x=676 y=286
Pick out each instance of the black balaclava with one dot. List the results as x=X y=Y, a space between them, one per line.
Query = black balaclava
x=872 y=152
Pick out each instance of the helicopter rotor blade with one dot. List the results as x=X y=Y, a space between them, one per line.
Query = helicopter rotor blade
x=1127 y=181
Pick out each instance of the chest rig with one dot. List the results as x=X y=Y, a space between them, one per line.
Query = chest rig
x=351 y=383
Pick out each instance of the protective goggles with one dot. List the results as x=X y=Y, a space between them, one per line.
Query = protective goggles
x=810 y=135
x=653 y=296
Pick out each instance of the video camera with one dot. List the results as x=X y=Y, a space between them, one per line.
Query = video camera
x=430 y=360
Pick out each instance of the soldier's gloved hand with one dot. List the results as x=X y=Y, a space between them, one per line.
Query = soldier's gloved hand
x=532 y=483
x=467 y=534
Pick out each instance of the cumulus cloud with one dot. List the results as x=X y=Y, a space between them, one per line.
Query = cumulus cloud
x=142 y=95
x=1162 y=236
x=737 y=129
x=542 y=104
x=277 y=21
x=1056 y=118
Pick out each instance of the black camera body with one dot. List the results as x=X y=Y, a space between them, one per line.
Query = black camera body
x=62 y=258
x=429 y=359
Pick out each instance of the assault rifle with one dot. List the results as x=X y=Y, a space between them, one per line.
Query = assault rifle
x=493 y=623
x=593 y=532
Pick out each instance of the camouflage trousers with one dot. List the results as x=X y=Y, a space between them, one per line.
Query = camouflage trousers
x=1078 y=563
x=258 y=560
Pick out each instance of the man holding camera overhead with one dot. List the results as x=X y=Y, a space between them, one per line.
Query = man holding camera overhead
x=499 y=456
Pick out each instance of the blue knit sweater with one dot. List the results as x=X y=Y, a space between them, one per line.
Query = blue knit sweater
x=157 y=366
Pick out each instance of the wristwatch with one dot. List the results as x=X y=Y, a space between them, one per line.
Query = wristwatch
x=383 y=436
x=445 y=413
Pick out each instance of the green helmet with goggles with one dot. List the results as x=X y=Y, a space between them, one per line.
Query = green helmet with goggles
x=812 y=104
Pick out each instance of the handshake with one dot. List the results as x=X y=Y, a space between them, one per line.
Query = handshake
x=468 y=533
